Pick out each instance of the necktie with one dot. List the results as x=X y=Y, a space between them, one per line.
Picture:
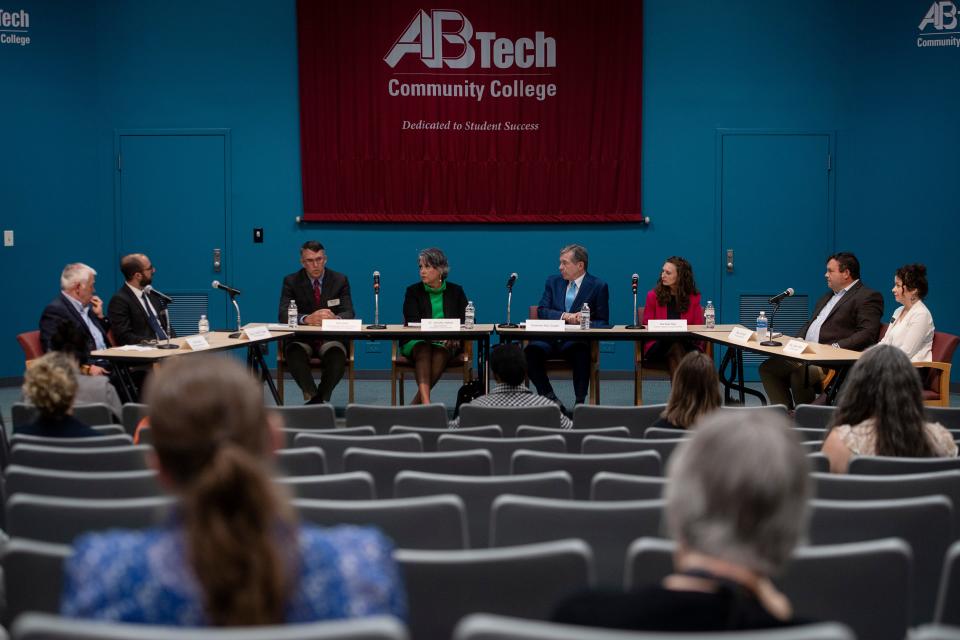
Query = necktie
x=571 y=294
x=152 y=320
x=316 y=293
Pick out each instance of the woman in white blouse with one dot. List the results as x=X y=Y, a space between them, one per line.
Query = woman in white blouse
x=911 y=328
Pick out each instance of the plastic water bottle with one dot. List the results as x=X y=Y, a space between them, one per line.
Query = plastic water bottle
x=469 y=315
x=292 y=315
x=763 y=333
x=710 y=315
x=204 y=325
x=585 y=316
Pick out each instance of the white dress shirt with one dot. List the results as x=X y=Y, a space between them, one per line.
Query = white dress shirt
x=813 y=332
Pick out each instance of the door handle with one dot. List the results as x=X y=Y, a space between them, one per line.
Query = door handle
x=216 y=260
x=729 y=260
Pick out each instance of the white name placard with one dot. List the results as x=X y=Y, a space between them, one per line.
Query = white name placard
x=339 y=324
x=440 y=324
x=536 y=324
x=666 y=325
x=796 y=347
x=197 y=343
x=259 y=332
x=741 y=334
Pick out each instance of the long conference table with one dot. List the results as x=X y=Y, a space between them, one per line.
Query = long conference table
x=815 y=354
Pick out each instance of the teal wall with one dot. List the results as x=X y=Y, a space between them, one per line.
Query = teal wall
x=849 y=67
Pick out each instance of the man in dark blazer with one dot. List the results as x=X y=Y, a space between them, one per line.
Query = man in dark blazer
x=563 y=297
x=321 y=294
x=847 y=317
x=78 y=305
x=135 y=315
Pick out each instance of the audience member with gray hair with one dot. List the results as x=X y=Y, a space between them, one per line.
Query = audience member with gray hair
x=50 y=385
x=880 y=413
x=736 y=507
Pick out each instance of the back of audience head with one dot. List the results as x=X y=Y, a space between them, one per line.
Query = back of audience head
x=213 y=440
x=738 y=491
x=508 y=364
x=50 y=384
x=884 y=386
x=695 y=390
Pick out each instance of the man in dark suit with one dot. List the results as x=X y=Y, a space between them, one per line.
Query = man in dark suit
x=563 y=298
x=135 y=315
x=847 y=317
x=78 y=305
x=321 y=294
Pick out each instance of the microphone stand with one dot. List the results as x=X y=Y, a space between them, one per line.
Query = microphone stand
x=636 y=321
x=376 y=326
x=233 y=299
x=167 y=345
x=770 y=342
x=508 y=324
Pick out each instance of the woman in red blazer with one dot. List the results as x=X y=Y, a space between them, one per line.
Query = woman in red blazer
x=675 y=297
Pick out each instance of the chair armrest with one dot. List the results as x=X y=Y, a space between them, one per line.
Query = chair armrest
x=944 y=368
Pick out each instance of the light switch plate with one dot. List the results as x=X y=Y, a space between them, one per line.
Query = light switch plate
x=8 y=237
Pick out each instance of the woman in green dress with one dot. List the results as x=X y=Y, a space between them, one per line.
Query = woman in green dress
x=432 y=297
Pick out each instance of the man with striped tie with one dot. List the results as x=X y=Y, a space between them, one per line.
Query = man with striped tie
x=137 y=315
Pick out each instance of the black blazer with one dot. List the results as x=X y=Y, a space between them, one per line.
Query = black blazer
x=334 y=295
x=62 y=310
x=416 y=303
x=129 y=319
x=854 y=323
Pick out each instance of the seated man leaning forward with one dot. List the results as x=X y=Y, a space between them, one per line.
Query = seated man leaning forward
x=321 y=294
x=847 y=317
x=509 y=370
x=563 y=297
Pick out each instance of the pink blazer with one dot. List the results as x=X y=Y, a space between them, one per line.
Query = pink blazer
x=652 y=310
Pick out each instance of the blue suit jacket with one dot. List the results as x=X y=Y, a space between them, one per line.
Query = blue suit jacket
x=593 y=291
x=61 y=310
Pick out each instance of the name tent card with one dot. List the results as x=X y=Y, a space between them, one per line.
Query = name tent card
x=339 y=324
x=197 y=343
x=666 y=325
x=796 y=347
x=440 y=324
x=535 y=324
x=258 y=332
x=741 y=334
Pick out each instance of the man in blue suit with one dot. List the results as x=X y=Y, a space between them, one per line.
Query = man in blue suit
x=563 y=297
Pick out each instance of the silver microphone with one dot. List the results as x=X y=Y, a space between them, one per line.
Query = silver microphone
x=149 y=289
x=219 y=285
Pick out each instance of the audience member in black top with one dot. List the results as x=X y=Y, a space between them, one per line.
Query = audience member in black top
x=50 y=384
x=735 y=522
x=695 y=392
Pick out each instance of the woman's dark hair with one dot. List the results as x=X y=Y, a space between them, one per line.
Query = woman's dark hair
x=508 y=364
x=914 y=276
x=686 y=286
x=695 y=390
x=212 y=439
x=884 y=386
x=433 y=257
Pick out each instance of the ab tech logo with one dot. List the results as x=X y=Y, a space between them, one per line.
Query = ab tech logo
x=939 y=27
x=14 y=27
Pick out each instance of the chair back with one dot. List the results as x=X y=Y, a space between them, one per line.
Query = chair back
x=124 y=458
x=382 y=418
x=501 y=449
x=94 y=413
x=428 y=522
x=444 y=586
x=947 y=416
x=385 y=465
x=309 y=416
x=608 y=527
x=33 y=576
x=572 y=437
x=665 y=433
x=778 y=409
x=290 y=435
x=430 y=436
x=924 y=523
x=583 y=467
x=602 y=444
x=636 y=419
x=890 y=465
x=942 y=350
x=334 y=446
x=813 y=416
x=479 y=492
x=301 y=461
x=37 y=626
x=509 y=418
x=948 y=611
x=89 y=485
x=131 y=413
x=30 y=343
x=819 y=462
x=60 y=520
x=110 y=429
x=337 y=486
x=619 y=486
x=90 y=442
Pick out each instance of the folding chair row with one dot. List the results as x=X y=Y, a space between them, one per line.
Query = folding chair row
x=22 y=413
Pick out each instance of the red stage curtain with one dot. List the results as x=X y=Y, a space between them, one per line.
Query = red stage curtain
x=573 y=156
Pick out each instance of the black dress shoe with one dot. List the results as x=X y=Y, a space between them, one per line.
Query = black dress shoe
x=315 y=400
